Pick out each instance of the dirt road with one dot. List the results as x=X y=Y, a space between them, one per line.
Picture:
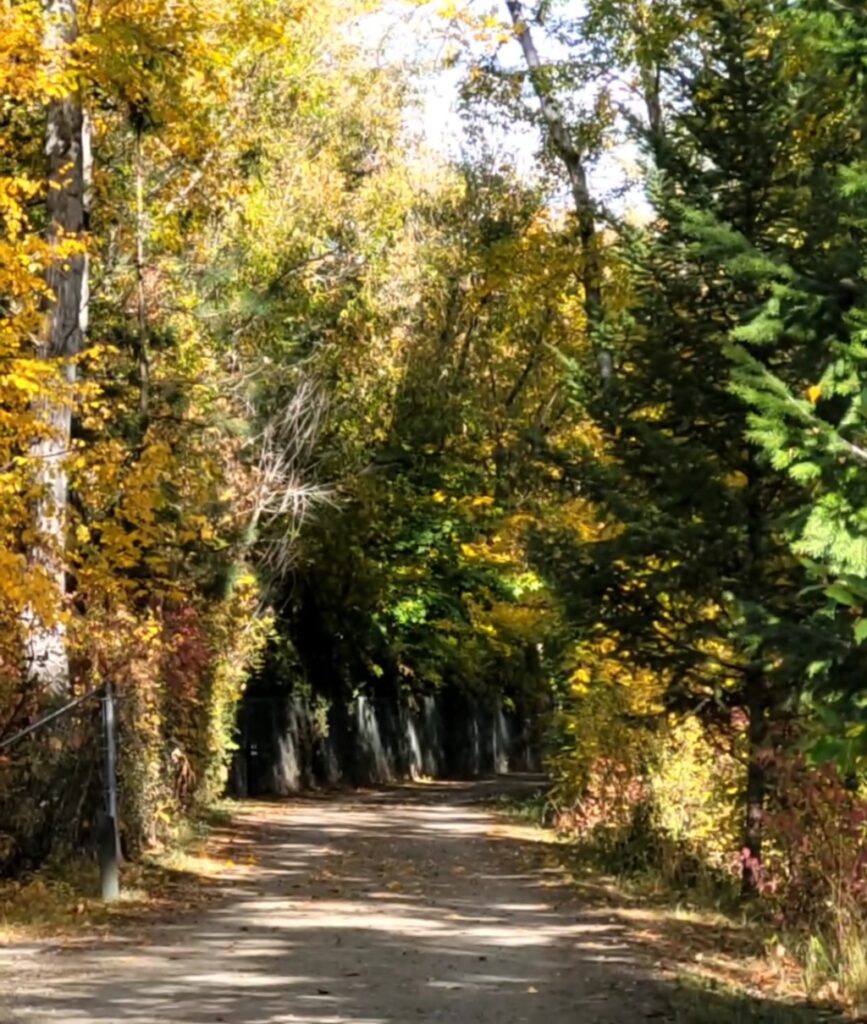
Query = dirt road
x=416 y=904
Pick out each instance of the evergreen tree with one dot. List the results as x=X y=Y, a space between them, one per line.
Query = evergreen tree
x=697 y=581
x=799 y=362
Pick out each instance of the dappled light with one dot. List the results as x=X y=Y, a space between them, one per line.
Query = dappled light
x=387 y=907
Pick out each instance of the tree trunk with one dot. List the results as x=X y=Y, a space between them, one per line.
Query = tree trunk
x=757 y=694
x=67 y=150
x=585 y=208
x=757 y=785
x=144 y=366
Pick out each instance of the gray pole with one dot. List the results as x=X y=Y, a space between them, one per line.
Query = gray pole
x=109 y=840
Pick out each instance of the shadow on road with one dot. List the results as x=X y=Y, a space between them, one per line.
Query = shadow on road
x=385 y=907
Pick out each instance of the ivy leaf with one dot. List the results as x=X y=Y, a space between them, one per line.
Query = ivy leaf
x=837 y=592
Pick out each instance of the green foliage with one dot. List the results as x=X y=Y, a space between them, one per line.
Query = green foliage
x=716 y=566
x=806 y=406
x=419 y=576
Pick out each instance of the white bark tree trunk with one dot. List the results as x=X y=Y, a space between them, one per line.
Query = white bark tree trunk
x=585 y=207
x=68 y=158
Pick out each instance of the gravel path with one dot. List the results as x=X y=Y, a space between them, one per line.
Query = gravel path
x=414 y=904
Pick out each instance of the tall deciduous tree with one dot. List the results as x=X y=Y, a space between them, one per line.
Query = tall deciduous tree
x=68 y=159
x=576 y=164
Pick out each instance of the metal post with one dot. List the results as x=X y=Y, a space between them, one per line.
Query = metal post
x=108 y=838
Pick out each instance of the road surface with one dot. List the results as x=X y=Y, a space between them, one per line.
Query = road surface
x=412 y=904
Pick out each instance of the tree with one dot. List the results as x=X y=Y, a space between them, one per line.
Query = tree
x=798 y=364
x=586 y=213
x=692 y=578
x=67 y=149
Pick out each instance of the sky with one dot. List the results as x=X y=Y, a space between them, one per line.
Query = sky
x=416 y=32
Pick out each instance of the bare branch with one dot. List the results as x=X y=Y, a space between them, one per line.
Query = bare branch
x=283 y=455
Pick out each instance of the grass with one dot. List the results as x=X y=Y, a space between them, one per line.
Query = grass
x=835 y=959
x=694 y=1002
x=532 y=810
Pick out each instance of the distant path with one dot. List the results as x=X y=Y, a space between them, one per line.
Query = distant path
x=410 y=904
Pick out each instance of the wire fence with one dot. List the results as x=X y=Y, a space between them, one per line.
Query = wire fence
x=57 y=788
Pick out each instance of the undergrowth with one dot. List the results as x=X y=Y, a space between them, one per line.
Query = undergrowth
x=696 y=1003
x=63 y=899
x=690 y=915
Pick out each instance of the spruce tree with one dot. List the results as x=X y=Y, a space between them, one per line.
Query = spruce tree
x=799 y=361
